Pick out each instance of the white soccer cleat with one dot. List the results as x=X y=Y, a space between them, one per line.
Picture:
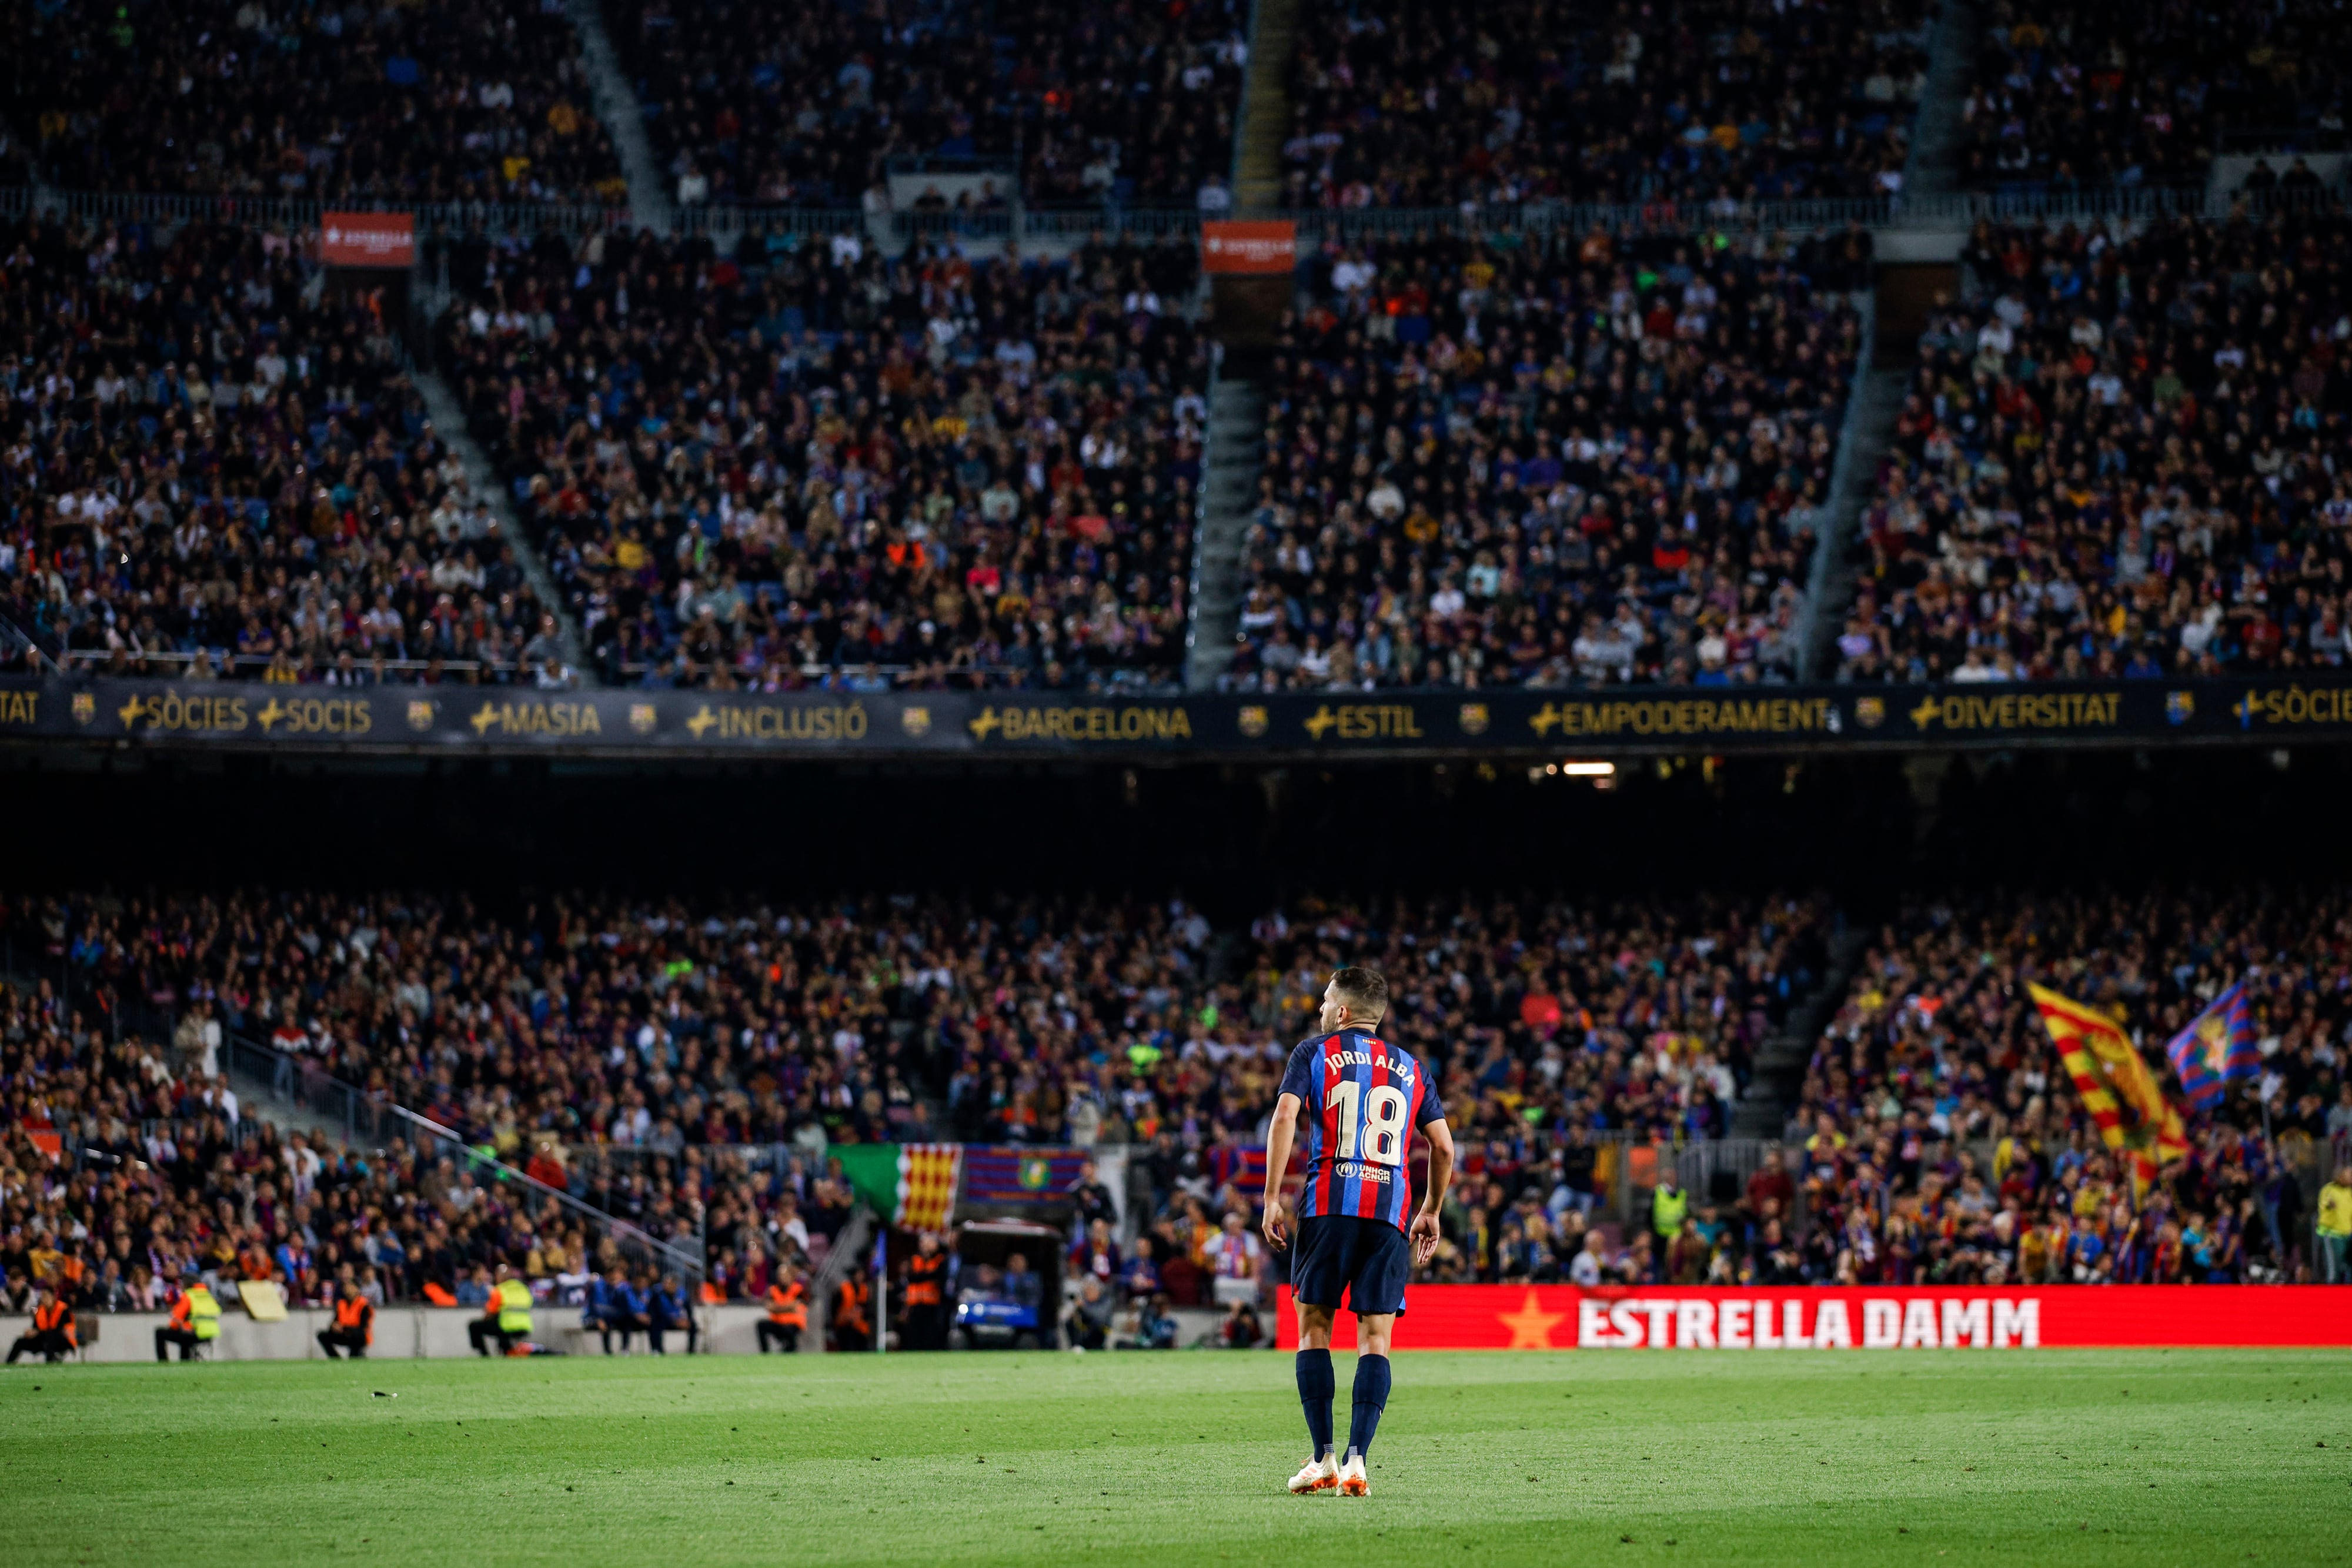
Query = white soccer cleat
x=1351 y=1478
x=1316 y=1475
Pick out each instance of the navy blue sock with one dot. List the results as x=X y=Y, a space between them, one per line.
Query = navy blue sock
x=1317 y=1385
x=1371 y=1398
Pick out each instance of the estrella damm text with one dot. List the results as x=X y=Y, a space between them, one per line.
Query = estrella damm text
x=2297 y=705
x=1091 y=722
x=168 y=710
x=2021 y=710
x=1684 y=716
x=1364 y=721
x=777 y=721
x=556 y=719
x=315 y=716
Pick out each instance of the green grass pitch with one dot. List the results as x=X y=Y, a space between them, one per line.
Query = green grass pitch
x=1900 y=1458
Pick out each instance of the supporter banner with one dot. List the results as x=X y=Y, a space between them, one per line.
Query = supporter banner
x=368 y=239
x=1249 y=248
x=1014 y=1175
x=1532 y=725
x=2023 y=1317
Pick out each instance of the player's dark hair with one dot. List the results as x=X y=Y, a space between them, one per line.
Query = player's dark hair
x=1363 y=989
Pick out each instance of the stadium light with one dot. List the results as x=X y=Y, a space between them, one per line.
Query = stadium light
x=1589 y=769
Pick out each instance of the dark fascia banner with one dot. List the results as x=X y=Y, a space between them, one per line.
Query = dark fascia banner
x=457 y=720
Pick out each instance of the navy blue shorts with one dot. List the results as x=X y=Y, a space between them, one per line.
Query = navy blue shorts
x=1368 y=1259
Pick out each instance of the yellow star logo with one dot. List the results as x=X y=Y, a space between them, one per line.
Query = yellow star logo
x=1546 y=718
x=703 y=721
x=1323 y=720
x=1530 y=1326
x=484 y=718
x=129 y=712
x=1926 y=713
x=2246 y=707
x=271 y=714
x=986 y=724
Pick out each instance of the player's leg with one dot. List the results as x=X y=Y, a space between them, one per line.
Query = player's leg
x=1316 y=1281
x=1376 y=1293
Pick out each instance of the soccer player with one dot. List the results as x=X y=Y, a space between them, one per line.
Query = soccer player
x=1364 y=1096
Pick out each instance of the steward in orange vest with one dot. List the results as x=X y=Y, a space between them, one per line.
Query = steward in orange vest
x=52 y=1335
x=354 y=1328
x=927 y=1278
x=787 y=1313
x=851 y=1328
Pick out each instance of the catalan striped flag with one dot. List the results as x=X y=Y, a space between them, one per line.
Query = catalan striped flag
x=2217 y=1048
x=2116 y=1085
x=927 y=1174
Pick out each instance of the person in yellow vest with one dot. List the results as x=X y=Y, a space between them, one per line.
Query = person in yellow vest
x=195 y=1320
x=506 y=1318
x=52 y=1333
x=355 y=1326
x=787 y=1316
x=1668 y=1205
x=2336 y=1226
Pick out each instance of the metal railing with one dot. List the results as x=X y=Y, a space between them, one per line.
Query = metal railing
x=371 y=1120
x=1958 y=209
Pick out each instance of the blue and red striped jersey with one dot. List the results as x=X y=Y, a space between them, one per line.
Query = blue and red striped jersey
x=1364 y=1097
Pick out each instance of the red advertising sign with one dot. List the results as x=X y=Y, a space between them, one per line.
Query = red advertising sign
x=2020 y=1317
x=1264 y=249
x=368 y=239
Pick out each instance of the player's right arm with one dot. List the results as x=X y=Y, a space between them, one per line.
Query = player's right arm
x=1299 y=1076
x=1278 y=1139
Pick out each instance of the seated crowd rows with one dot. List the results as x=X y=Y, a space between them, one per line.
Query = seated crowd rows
x=1128 y=102
x=427 y=101
x=127 y=1168
x=213 y=463
x=606 y=1046
x=1417 y=104
x=1492 y=465
x=820 y=462
x=2121 y=456
x=1949 y=1143
x=2126 y=92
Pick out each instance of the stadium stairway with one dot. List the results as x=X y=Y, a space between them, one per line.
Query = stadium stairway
x=1228 y=490
x=449 y=422
x=615 y=100
x=1779 y=1070
x=1266 y=106
x=1862 y=440
x=1933 y=168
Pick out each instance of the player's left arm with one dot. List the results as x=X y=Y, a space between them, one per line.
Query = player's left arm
x=1425 y=1231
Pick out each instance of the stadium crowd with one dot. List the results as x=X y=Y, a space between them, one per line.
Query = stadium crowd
x=1549 y=464
x=2101 y=93
x=1124 y=103
x=819 y=462
x=2119 y=458
x=211 y=461
x=607 y=1046
x=1413 y=104
x=1948 y=1141
x=127 y=1167
x=427 y=101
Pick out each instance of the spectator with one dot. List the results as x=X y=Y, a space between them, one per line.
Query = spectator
x=1090 y=1315
x=2334 y=1226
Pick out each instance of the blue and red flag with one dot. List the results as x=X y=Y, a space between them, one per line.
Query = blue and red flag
x=1016 y=1175
x=1242 y=1164
x=2216 y=1050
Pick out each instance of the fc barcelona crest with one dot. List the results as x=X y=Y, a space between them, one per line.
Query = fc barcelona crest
x=1475 y=718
